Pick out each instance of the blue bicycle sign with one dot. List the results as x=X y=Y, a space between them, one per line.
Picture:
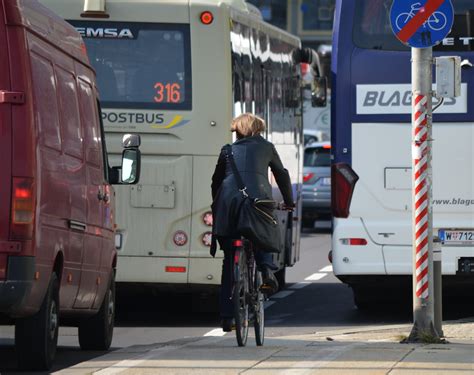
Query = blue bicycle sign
x=421 y=23
x=436 y=22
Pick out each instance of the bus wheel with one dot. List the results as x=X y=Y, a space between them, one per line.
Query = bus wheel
x=363 y=300
x=36 y=337
x=281 y=278
x=95 y=333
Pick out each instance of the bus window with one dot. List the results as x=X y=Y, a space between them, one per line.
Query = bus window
x=140 y=65
x=372 y=27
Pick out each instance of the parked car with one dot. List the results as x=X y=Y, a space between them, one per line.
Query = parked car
x=312 y=135
x=57 y=240
x=316 y=183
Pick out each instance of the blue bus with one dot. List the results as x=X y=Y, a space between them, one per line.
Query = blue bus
x=371 y=146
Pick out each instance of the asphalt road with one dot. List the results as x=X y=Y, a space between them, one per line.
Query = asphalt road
x=314 y=301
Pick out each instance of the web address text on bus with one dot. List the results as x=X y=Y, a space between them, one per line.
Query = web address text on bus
x=454 y=202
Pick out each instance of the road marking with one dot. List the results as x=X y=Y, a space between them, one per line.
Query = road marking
x=326 y=269
x=316 y=276
x=299 y=285
x=319 y=360
x=282 y=294
x=216 y=332
x=130 y=363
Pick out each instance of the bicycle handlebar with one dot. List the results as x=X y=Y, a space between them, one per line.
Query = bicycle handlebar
x=281 y=206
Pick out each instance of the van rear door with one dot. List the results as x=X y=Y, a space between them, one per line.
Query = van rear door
x=5 y=140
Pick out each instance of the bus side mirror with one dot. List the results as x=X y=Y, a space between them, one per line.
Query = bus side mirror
x=129 y=171
x=319 y=91
x=131 y=159
x=131 y=163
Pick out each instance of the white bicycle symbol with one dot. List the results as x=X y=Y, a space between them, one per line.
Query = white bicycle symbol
x=436 y=22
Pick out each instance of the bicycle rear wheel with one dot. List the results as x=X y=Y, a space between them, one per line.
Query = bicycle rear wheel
x=259 y=312
x=240 y=299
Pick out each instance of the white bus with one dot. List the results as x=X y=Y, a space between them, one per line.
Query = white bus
x=176 y=72
x=371 y=136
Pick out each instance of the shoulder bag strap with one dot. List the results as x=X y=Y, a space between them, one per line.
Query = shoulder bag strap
x=238 y=178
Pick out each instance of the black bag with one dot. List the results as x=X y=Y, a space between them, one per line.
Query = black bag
x=254 y=217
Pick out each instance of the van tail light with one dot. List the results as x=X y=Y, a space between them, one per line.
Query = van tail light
x=23 y=208
x=343 y=183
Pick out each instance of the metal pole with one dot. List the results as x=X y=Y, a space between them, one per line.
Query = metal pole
x=422 y=213
x=438 y=286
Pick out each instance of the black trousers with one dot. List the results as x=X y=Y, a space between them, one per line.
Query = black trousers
x=262 y=259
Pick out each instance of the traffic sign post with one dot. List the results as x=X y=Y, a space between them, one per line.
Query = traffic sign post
x=421 y=24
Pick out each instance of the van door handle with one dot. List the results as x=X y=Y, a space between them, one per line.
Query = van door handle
x=77 y=225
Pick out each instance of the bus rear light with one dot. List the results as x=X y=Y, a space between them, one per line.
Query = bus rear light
x=180 y=238
x=207 y=218
x=206 y=239
x=327 y=147
x=307 y=177
x=343 y=183
x=354 y=241
x=175 y=269
x=206 y=17
x=23 y=208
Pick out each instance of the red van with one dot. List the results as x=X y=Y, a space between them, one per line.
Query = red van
x=57 y=229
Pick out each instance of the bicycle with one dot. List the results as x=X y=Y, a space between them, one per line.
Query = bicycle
x=248 y=299
x=247 y=296
x=436 y=22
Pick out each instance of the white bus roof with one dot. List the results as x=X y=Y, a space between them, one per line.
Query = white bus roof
x=127 y=10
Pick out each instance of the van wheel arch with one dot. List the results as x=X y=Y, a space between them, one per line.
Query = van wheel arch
x=58 y=265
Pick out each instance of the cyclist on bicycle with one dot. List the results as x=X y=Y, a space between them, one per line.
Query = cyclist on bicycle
x=253 y=155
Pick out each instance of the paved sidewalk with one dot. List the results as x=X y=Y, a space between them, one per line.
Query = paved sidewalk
x=362 y=351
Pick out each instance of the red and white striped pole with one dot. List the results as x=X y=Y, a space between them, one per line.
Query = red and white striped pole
x=421 y=198
x=422 y=208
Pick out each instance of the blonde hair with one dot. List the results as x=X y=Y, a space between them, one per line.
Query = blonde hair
x=247 y=125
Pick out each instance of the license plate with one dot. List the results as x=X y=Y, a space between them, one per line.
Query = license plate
x=326 y=181
x=456 y=236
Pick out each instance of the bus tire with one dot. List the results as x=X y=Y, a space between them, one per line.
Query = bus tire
x=363 y=300
x=96 y=332
x=36 y=337
x=281 y=278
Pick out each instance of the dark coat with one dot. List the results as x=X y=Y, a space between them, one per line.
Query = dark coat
x=253 y=156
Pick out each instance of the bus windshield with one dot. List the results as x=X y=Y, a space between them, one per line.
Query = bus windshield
x=372 y=27
x=140 y=65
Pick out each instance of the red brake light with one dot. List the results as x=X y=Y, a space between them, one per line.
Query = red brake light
x=207 y=17
x=343 y=180
x=327 y=146
x=354 y=241
x=307 y=177
x=175 y=269
x=22 y=193
x=22 y=208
